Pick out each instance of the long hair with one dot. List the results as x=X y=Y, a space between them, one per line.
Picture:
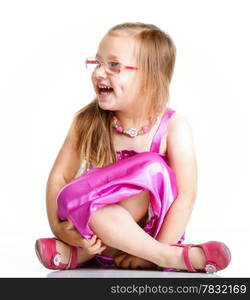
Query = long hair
x=155 y=55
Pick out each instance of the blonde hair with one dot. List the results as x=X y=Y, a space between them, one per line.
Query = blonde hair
x=155 y=55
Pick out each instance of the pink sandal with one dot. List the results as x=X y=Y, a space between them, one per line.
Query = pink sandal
x=217 y=254
x=50 y=258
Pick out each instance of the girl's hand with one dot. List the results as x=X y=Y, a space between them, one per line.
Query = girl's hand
x=67 y=233
x=127 y=261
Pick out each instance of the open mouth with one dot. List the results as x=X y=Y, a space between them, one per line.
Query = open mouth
x=104 y=90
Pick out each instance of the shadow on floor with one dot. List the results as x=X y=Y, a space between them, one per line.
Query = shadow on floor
x=95 y=272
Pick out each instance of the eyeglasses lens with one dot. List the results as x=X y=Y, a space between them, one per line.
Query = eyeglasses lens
x=91 y=64
x=111 y=67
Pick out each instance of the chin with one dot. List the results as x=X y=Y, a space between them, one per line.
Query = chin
x=105 y=106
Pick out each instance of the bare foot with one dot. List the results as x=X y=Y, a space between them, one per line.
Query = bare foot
x=196 y=256
x=64 y=251
x=111 y=252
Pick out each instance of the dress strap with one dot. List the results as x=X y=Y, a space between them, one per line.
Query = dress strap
x=156 y=142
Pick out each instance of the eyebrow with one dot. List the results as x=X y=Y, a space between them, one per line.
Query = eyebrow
x=110 y=56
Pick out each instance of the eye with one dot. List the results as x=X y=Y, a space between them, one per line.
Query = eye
x=113 y=65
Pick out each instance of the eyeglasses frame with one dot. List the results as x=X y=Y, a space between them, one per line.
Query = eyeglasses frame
x=122 y=66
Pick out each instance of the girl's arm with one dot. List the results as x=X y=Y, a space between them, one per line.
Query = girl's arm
x=65 y=167
x=63 y=171
x=52 y=189
x=181 y=154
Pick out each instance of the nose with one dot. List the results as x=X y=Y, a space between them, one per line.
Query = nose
x=100 y=71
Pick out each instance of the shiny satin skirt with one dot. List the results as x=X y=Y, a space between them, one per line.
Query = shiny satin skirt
x=145 y=171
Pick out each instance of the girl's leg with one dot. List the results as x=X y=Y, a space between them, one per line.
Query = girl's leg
x=124 y=230
x=137 y=206
x=117 y=228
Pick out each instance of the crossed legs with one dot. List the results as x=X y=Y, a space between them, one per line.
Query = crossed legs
x=116 y=225
x=137 y=206
x=134 y=208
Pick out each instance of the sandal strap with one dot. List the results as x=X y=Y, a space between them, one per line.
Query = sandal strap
x=185 y=255
x=186 y=258
x=72 y=264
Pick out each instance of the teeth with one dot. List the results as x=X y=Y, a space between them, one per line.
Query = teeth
x=104 y=87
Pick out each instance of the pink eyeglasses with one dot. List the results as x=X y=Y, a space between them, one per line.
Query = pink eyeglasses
x=110 y=67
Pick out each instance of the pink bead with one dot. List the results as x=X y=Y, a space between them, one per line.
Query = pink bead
x=145 y=128
x=119 y=128
x=153 y=120
x=114 y=119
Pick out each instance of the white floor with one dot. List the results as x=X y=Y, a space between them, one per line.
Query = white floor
x=18 y=259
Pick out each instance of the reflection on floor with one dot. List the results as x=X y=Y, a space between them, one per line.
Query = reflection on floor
x=113 y=273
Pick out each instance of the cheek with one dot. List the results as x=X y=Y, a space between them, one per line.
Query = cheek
x=126 y=86
x=93 y=78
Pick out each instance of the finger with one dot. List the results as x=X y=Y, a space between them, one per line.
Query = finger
x=92 y=248
x=96 y=246
x=102 y=249
x=93 y=239
x=98 y=240
x=96 y=249
x=98 y=243
x=86 y=243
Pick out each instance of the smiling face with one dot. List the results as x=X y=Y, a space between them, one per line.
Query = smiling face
x=126 y=84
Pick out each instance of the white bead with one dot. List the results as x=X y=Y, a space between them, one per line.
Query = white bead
x=209 y=268
x=57 y=259
x=132 y=132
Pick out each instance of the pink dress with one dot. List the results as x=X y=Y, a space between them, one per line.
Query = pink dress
x=133 y=173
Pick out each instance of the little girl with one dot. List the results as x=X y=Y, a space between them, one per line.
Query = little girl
x=123 y=186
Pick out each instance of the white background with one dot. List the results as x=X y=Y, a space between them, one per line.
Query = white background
x=43 y=82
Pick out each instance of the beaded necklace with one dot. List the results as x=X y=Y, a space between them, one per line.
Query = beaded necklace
x=132 y=132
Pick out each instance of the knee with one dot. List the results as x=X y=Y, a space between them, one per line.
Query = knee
x=109 y=214
x=137 y=206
